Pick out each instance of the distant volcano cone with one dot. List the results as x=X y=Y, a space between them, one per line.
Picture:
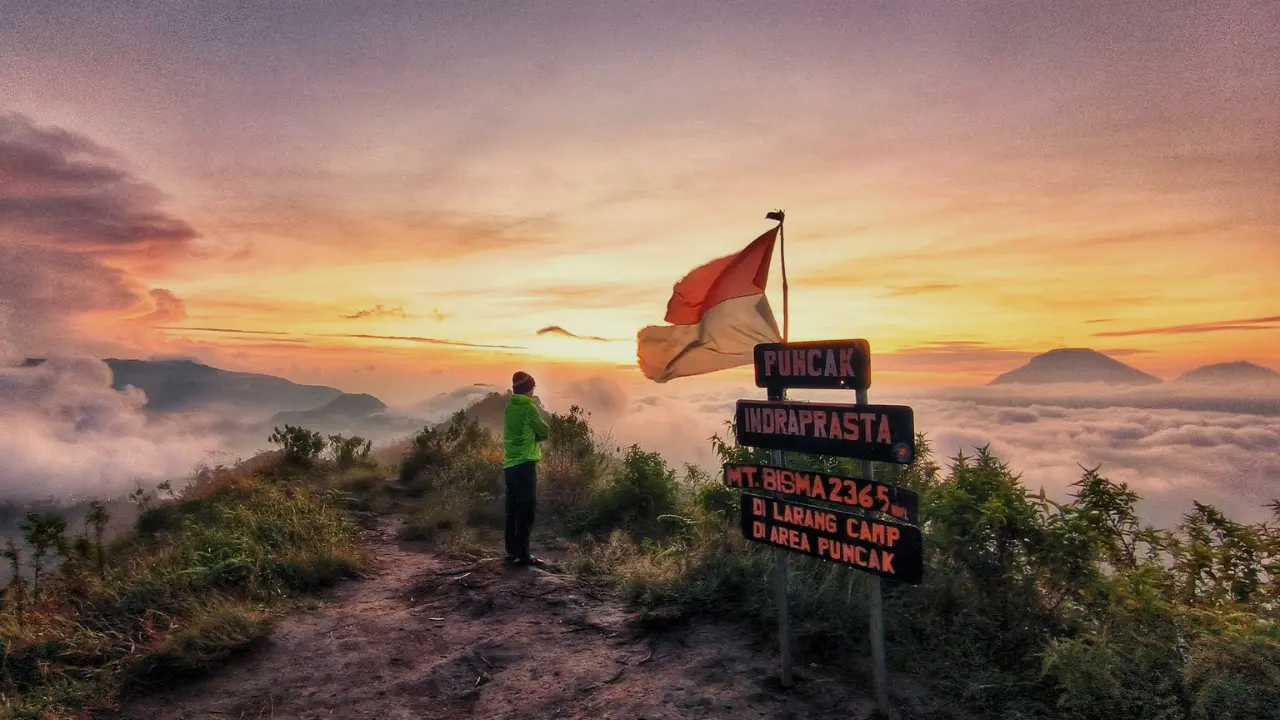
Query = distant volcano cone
x=1075 y=365
x=1231 y=373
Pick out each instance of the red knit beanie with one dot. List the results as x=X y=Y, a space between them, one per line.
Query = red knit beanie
x=521 y=382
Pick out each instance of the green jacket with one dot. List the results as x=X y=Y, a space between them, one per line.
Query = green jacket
x=522 y=429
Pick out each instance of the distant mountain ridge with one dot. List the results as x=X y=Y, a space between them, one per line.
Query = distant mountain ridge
x=182 y=385
x=186 y=385
x=1075 y=365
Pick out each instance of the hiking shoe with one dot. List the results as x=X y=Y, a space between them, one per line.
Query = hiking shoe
x=511 y=560
x=532 y=560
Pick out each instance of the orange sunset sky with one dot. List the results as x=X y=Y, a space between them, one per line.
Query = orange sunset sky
x=328 y=190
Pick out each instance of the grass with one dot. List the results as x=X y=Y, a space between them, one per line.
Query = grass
x=201 y=578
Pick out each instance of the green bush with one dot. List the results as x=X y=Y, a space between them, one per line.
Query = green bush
x=349 y=452
x=574 y=463
x=640 y=490
x=434 y=450
x=1027 y=608
x=301 y=447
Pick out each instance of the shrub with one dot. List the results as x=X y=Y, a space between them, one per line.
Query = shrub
x=639 y=491
x=460 y=440
x=456 y=469
x=349 y=452
x=574 y=461
x=302 y=447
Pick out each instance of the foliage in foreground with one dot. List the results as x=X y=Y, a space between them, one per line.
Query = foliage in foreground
x=1029 y=609
x=198 y=580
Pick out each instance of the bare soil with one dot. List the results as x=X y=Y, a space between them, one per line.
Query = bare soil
x=438 y=636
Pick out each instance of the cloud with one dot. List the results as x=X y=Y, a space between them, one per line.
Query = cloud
x=598 y=395
x=1261 y=323
x=166 y=308
x=557 y=330
x=73 y=221
x=589 y=296
x=377 y=311
x=1168 y=456
x=1259 y=398
x=920 y=289
x=44 y=289
x=391 y=234
x=360 y=336
x=441 y=406
x=65 y=433
x=61 y=189
x=396 y=312
x=223 y=330
x=950 y=355
x=426 y=340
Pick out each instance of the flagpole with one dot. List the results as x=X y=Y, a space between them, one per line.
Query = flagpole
x=781 y=217
x=786 y=291
x=781 y=568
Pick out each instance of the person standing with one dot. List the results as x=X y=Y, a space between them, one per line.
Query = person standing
x=522 y=432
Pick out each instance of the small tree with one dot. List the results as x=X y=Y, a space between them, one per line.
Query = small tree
x=348 y=452
x=13 y=554
x=141 y=498
x=96 y=519
x=45 y=534
x=302 y=447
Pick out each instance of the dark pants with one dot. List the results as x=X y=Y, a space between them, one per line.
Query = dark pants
x=522 y=501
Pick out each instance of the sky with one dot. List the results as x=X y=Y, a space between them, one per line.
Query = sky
x=397 y=196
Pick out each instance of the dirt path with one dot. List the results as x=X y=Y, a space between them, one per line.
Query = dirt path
x=439 y=637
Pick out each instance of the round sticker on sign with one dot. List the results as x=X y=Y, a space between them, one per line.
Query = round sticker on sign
x=902 y=452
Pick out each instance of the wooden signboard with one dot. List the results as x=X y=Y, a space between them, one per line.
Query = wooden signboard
x=882 y=433
x=856 y=493
x=826 y=364
x=882 y=547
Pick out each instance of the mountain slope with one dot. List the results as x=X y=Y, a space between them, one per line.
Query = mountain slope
x=1230 y=372
x=1075 y=365
x=351 y=414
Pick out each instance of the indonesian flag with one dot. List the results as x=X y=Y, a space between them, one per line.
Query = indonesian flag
x=718 y=314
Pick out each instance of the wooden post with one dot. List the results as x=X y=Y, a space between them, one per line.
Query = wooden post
x=879 y=670
x=780 y=572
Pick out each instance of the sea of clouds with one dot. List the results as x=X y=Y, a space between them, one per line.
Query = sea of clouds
x=1172 y=444
x=66 y=434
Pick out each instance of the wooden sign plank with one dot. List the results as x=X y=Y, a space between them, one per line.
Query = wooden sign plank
x=882 y=433
x=898 y=502
x=825 y=364
x=881 y=547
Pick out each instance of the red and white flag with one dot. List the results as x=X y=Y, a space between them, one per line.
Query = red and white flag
x=718 y=314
